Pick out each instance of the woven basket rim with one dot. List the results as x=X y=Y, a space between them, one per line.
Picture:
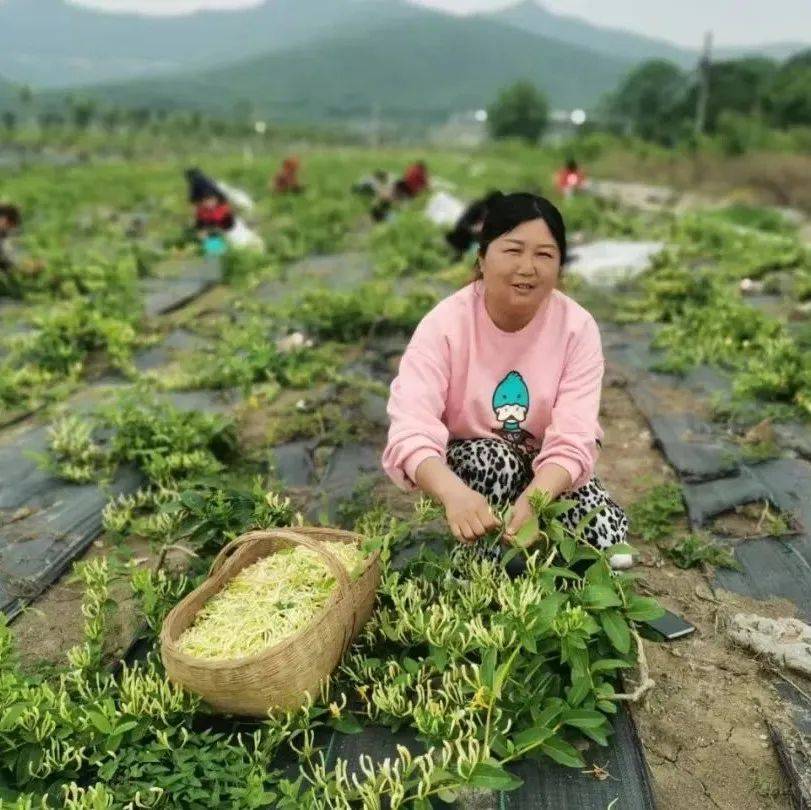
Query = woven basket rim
x=170 y=644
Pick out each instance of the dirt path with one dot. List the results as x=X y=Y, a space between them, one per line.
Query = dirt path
x=703 y=726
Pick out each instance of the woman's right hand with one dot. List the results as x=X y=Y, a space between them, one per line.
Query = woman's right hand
x=468 y=514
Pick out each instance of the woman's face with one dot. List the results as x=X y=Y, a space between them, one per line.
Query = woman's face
x=521 y=268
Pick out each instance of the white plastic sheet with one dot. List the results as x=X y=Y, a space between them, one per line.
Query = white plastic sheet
x=243 y=238
x=444 y=209
x=611 y=261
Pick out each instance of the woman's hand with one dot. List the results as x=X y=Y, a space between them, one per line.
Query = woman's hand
x=468 y=514
x=520 y=515
x=553 y=479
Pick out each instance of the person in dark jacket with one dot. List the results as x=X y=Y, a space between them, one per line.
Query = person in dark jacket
x=467 y=230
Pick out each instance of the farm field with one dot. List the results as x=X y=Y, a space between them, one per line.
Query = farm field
x=155 y=403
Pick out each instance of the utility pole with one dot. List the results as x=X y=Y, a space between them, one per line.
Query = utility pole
x=703 y=84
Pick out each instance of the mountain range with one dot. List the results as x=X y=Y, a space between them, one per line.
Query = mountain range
x=408 y=71
x=532 y=16
x=323 y=59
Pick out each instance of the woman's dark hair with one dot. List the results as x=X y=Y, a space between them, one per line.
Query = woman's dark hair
x=201 y=187
x=506 y=212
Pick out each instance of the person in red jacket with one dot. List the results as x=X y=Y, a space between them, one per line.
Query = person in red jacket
x=413 y=182
x=570 y=178
x=286 y=179
x=212 y=211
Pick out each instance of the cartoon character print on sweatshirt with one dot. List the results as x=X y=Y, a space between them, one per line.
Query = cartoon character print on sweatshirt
x=511 y=407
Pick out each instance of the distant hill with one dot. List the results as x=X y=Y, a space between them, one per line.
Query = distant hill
x=774 y=50
x=9 y=93
x=532 y=16
x=421 y=68
x=54 y=43
x=57 y=43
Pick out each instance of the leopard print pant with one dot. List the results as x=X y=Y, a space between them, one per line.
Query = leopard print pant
x=502 y=471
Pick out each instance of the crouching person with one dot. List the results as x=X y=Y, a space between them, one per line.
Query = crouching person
x=498 y=392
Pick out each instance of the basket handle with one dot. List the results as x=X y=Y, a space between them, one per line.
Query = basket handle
x=335 y=566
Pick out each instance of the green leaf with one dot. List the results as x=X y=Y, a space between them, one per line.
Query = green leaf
x=488 y=667
x=346 y=724
x=567 y=548
x=193 y=501
x=616 y=628
x=421 y=804
x=529 y=643
x=620 y=548
x=11 y=715
x=586 y=519
x=112 y=743
x=527 y=536
x=440 y=775
x=447 y=796
x=439 y=657
x=559 y=507
x=643 y=608
x=609 y=664
x=599 y=735
x=598 y=573
x=607 y=706
x=561 y=752
x=564 y=573
x=411 y=666
x=128 y=725
x=599 y=597
x=580 y=688
x=532 y=737
x=503 y=671
x=550 y=714
x=99 y=721
x=583 y=718
x=493 y=777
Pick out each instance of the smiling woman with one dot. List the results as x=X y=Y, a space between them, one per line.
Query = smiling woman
x=498 y=392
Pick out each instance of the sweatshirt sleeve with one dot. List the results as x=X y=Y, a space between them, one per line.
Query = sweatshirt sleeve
x=417 y=404
x=571 y=438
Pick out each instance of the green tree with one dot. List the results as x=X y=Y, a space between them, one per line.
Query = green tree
x=82 y=112
x=789 y=97
x=520 y=111
x=651 y=101
x=736 y=86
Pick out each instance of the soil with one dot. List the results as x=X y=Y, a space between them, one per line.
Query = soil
x=47 y=629
x=703 y=726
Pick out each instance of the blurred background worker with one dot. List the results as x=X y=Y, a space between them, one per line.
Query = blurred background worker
x=10 y=221
x=286 y=180
x=570 y=179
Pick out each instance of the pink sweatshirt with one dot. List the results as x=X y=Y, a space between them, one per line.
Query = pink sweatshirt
x=462 y=377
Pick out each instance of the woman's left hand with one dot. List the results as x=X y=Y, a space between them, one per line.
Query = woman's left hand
x=551 y=477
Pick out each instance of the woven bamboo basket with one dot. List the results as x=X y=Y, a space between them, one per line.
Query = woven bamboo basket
x=280 y=676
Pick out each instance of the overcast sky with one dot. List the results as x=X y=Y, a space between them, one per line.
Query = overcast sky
x=734 y=22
